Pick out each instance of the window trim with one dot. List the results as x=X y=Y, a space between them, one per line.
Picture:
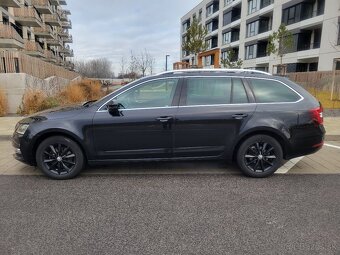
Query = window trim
x=181 y=87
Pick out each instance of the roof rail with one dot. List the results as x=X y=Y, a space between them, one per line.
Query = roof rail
x=249 y=71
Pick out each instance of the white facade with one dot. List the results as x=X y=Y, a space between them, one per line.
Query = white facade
x=245 y=26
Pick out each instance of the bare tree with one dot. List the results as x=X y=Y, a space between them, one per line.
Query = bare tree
x=133 y=66
x=151 y=65
x=145 y=62
x=122 y=67
x=96 y=68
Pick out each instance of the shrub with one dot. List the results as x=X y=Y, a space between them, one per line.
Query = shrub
x=82 y=91
x=3 y=103
x=31 y=101
x=72 y=94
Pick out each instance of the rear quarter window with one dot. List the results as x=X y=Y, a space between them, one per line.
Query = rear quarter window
x=270 y=91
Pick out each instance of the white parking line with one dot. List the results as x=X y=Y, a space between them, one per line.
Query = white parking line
x=289 y=165
x=332 y=146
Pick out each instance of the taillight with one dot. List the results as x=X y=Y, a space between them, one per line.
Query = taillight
x=317 y=115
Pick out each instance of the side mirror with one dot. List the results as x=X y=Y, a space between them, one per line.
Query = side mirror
x=113 y=108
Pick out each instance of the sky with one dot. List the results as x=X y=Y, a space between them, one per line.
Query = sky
x=112 y=28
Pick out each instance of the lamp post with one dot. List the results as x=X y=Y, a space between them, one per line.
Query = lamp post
x=166 y=62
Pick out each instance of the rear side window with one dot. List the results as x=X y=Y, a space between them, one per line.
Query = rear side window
x=239 y=95
x=269 y=91
x=208 y=91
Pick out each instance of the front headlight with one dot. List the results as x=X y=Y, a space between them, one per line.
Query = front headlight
x=22 y=129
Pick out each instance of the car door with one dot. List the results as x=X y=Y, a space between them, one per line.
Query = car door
x=212 y=111
x=143 y=128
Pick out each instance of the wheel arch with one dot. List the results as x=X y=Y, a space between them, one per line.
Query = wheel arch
x=51 y=133
x=269 y=132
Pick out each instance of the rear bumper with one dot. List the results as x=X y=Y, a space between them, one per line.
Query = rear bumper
x=306 y=143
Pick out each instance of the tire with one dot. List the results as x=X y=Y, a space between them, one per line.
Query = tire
x=60 y=158
x=260 y=156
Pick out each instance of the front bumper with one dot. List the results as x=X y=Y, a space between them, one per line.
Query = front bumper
x=22 y=150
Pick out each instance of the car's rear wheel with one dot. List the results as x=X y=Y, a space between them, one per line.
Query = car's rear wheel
x=60 y=158
x=260 y=156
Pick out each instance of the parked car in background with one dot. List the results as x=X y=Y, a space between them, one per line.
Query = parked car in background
x=247 y=116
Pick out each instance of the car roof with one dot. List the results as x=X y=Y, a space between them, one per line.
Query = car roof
x=215 y=72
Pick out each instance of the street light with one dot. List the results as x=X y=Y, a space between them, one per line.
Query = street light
x=166 y=62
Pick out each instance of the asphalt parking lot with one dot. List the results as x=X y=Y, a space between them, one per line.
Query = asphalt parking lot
x=170 y=214
x=172 y=208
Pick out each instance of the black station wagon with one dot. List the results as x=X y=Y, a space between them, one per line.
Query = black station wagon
x=247 y=116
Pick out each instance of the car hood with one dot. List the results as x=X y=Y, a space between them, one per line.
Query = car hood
x=55 y=113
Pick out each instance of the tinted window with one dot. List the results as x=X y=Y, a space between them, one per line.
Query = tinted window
x=269 y=91
x=239 y=94
x=208 y=91
x=151 y=94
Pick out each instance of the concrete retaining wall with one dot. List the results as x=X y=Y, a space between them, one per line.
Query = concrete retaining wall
x=15 y=85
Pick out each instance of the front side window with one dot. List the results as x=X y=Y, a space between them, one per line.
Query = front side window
x=270 y=91
x=208 y=91
x=151 y=94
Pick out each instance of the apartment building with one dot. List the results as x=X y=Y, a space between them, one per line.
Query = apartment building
x=38 y=28
x=245 y=25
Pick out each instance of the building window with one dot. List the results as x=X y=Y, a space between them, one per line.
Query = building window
x=186 y=26
x=200 y=15
x=227 y=38
x=209 y=27
x=227 y=2
x=210 y=10
x=253 y=6
x=250 y=51
x=194 y=16
x=208 y=60
x=252 y=28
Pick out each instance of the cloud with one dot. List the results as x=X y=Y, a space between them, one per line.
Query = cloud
x=112 y=28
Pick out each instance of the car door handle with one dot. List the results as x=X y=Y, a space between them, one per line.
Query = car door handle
x=164 y=119
x=240 y=116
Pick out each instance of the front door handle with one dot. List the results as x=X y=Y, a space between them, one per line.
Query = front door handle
x=240 y=116
x=165 y=119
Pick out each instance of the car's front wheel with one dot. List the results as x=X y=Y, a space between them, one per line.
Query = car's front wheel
x=60 y=158
x=260 y=156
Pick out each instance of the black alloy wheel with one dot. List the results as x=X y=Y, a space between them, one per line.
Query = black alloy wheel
x=60 y=158
x=260 y=156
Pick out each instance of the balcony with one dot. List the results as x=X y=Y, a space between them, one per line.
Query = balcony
x=10 y=3
x=69 y=65
x=43 y=32
x=68 y=39
x=63 y=33
x=49 y=56
x=59 y=61
x=10 y=38
x=62 y=2
x=67 y=12
x=42 y=6
x=67 y=51
x=63 y=16
x=52 y=19
x=67 y=24
x=55 y=2
x=54 y=42
x=33 y=48
x=27 y=16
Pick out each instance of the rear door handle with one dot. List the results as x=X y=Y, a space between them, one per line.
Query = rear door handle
x=240 y=116
x=164 y=119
